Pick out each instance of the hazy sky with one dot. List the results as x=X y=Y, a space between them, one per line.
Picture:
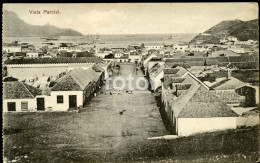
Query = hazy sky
x=135 y=18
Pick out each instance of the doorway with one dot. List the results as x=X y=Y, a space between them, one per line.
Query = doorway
x=40 y=104
x=72 y=101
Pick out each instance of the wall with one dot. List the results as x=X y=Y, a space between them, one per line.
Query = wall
x=31 y=104
x=250 y=120
x=152 y=63
x=157 y=80
x=188 y=126
x=12 y=49
x=65 y=105
x=26 y=71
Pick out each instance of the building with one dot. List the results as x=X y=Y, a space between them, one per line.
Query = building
x=223 y=53
x=238 y=50
x=232 y=38
x=134 y=57
x=153 y=46
x=69 y=47
x=102 y=54
x=235 y=92
x=118 y=54
x=155 y=75
x=12 y=47
x=19 y=97
x=190 y=107
x=147 y=58
x=32 y=55
x=180 y=47
x=74 y=89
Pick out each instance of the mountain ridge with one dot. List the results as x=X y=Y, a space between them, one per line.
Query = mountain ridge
x=13 y=26
x=243 y=30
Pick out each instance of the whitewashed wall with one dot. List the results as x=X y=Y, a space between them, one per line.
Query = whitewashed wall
x=26 y=71
x=251 y=120
x=65 y=105
x=157 y=80
x=31 y=104
x=189 y=126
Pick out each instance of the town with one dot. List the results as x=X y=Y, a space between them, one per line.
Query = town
x=51 y=74
x=93 y=99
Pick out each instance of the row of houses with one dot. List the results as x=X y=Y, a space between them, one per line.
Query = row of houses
x=72 y=90
x=192 y=106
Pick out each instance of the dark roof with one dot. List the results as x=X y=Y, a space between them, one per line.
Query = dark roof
x=9 y=78
x=204 y=104
x=193 y=99
x=19 y=90
x=228 y=84
x=168 y=79
x=97 y=68
x=170 y=70
x=67 y=83
x=55 y=60
x=76 y=80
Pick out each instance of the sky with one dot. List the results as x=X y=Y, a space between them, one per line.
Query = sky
x=136 y=18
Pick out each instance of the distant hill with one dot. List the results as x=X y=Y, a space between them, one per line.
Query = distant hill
x=243 y=30
x=14 y=26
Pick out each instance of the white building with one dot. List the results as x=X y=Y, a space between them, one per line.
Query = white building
x=134 y=57
x=32 y=54
x=153 y=46
x=12 y=48
x=74 y=89
x=118 y=55
x=191 y=107
x=232 y=38
x=179 y=47
x=156 y=74
x=237 y=50
x=18 y=97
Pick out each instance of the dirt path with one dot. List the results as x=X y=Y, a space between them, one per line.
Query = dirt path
x=99 y=133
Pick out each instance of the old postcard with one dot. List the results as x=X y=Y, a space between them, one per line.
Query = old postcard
x=130 y=82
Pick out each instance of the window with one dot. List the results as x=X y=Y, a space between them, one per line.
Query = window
x=11 y=106
x=24 y=106
x=59 y=99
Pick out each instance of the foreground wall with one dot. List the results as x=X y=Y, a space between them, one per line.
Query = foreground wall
x=18 y=102
x=65 y=105
x=26 y=71
x=189 y=126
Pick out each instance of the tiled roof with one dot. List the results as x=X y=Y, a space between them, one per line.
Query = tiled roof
x=193 y=99
x=203 y=104
x=97 y=68
x=170 y=70
x=55 y=60
x=19 y=90
x=92 y=74
x=231 y=83
x=76 y=80
x=67 y=83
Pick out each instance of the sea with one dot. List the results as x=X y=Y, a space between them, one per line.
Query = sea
x=111 y=40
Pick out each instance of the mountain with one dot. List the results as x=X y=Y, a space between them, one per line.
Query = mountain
x=16 y=27
x=243 y=30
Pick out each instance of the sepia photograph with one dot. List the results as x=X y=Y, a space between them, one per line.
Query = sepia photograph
x=130 y=82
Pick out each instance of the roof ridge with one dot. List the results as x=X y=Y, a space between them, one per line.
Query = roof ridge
x=27 y=89
x=80 y=85
x=195 y=78
x=190 y=93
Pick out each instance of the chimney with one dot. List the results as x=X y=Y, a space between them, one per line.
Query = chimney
x=174 y=88
x=229 y=73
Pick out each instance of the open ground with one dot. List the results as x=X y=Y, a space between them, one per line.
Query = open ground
x=99 y=133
